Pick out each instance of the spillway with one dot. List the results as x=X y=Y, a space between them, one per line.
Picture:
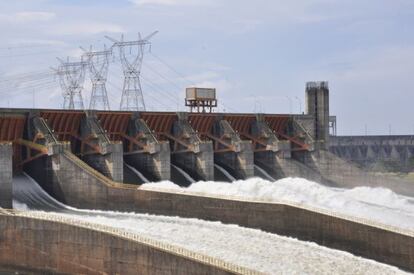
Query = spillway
x=260 y=172
x=265 y=252
x=378 y=204
x=137 y=173
x=224 y=173
x=180 y=176
x=27 y=193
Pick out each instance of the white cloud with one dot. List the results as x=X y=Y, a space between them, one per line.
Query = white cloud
x=247 y=25
x=37 y=42
x=213 y=79
x=27 y=16
x=34 y=16
x=171 y=2
x=86 y=28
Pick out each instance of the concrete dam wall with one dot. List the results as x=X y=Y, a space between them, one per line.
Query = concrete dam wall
x=82 y=187
x=79 y=158
x=376 y=153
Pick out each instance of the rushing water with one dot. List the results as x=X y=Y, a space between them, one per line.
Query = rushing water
x=263 y=173
x=224 y=172
x=137 y=173
x=269 y=253
x=378 y=204
x=183 y=173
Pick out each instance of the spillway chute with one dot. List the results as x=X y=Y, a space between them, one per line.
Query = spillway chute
x=28 y=192
x=224 y=172
x=259 y=171
x=137 y=173
x=180 y=175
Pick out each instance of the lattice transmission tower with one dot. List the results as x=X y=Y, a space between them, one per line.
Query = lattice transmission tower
x=131 y=54
x=98 y=62
x=72 y=77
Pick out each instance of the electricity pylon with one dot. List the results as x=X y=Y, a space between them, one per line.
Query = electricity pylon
x=72 y=77
x=98 y=62
x=132 y=98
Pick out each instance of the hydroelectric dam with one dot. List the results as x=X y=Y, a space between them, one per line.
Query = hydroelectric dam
x=81 y=163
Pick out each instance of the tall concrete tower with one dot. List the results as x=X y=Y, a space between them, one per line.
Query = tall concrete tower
x=317 y=105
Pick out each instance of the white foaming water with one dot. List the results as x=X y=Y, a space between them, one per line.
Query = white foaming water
x=251 y=248
x=20 y=206
x=377 y=204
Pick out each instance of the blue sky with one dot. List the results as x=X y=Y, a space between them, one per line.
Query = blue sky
x=257 y=54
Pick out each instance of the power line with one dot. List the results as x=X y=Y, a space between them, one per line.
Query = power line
x=72 y=77
x=155 y=99
x=34 y=85
x=29 y=89
x=172 y=69
x=182 y=77
x=157 y=87
x=25 y=46
x=162 y=76
x=27 y=54
x=24 y=76
x=98 y=62
x=132 y=98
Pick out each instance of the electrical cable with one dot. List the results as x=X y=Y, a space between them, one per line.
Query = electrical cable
x=172 y=69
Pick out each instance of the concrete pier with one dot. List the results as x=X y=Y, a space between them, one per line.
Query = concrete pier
x=231 y=151
x=152 y=157
x=98 y=151
x=6 y=175
x=271 y=151
x=191 y=153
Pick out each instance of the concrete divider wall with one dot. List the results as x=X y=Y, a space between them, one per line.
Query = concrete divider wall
x=155 y=161
x=109 y=164
x=42 y=246
x=6 y=175
x=78 y=186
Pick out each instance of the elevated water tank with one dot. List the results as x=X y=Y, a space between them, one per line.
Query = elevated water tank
x=200 y=99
